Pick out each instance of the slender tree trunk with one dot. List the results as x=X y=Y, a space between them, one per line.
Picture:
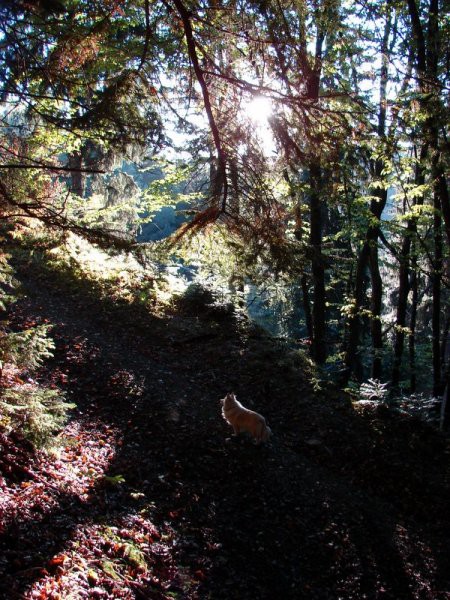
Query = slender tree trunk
x=427 y=44
x=427 y=59
x=407 y=281
x=441 y=188
x=376 y=308
x=436 y=278
x=319 y=323
x=400 y=321
x=352 y=356
x=412 y=326
x=306 y=301
x=307 y=306
x=368 y=258
x=222 y=163
x=445 y=346
x=319 y=343
x=311 y=72
x=369 y=253
x=77 y=184
x=377 y=209
x=445 y=406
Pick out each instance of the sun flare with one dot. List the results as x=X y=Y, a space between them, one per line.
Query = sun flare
x=259 y=109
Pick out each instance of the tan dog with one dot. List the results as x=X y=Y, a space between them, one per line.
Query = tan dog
x=243 y=419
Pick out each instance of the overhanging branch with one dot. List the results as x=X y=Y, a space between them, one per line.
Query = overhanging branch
x=50 y=168
x=192 y=50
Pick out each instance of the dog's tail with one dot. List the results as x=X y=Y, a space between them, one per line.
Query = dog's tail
x=266 y=433
x=263 y=433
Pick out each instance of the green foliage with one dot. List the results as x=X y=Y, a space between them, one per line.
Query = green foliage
x=36 y=412
x=113 y=480
x=27 y=349
x=115 y=278
x=77 y=77
x=172 y=189
x=6 y=282
x=374 y=391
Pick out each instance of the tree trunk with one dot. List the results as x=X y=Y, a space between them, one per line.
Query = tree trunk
x=445 y=405
x=412 y=327
x=352 y=357
x=427 y=44
x=402 y=302
x=377 y=208
x=376 y=307
x=369 y=253
x=307 y=306
x=77 y=177
x=306 y=301
x=319 y=344
x=405 y=285
x=436 y=278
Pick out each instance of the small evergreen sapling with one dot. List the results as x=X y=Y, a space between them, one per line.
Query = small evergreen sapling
x=32 y=410
x=36 y=412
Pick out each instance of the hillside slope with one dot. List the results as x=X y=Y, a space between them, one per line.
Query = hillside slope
x=151 y=497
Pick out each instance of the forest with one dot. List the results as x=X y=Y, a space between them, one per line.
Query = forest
x=207 y=197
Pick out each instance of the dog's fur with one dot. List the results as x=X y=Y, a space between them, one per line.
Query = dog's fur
x=243 y=419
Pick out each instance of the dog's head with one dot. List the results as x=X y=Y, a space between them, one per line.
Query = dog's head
x=228 y=401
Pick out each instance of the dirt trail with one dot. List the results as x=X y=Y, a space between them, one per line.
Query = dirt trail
x=151 y=497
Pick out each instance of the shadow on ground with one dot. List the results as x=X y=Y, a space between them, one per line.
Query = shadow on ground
x=340 y=504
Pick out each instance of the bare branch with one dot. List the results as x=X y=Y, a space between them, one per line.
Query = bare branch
x=192 y=50
x=50 y=168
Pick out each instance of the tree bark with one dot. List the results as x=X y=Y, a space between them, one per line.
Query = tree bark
x=377 y=208
x=427 y=43
x=376 y=308
x=412 y=328
x=77 y=176
x=221 y=172
x=306 y=301
x=352 y=356
x=436 y=279
x=407 y=281
x=319 y=343
x=368 y=257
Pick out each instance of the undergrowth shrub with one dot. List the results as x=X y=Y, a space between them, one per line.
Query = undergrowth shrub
x=199 y=299
x=419 y=405
x=374 y=390
x=27 y=349
x=28 y=409
x=6 y=282
x=37 y=413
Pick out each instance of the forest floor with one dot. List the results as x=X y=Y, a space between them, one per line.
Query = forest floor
x=149 y=495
